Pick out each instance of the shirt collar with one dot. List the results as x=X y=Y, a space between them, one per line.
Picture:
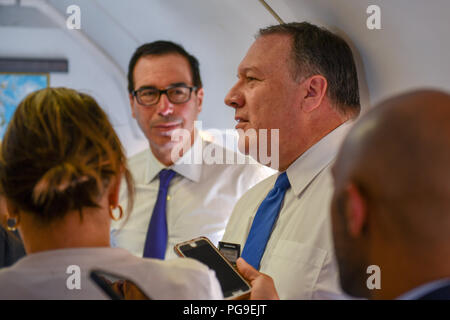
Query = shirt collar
x=424 y=289
x=185 y=166
x=47 y=258
x=303 y=170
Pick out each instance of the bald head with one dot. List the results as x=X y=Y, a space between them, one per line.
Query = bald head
x=398 y=155
x=391 y=203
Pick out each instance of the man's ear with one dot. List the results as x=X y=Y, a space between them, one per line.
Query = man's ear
x=200 y=96
x=356 y=211
x=315 y=88
x=131 y=98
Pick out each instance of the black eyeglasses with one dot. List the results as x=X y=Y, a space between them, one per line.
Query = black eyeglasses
x=176 y=94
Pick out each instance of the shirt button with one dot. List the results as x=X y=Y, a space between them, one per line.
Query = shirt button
x=168 y=198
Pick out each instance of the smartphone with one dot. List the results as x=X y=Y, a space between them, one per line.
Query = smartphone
x=234 y=286
x=117 y=287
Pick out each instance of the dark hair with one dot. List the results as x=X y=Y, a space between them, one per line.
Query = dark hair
x=159 y=48
x=59 y=154
x=318 y=51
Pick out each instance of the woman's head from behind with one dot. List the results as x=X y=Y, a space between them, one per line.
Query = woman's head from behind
x=60 y=155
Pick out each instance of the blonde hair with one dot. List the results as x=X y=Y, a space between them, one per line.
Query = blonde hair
x=59 y=154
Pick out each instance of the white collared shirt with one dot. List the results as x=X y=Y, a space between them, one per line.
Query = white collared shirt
x=44 y=275
x=299 y=255
x=201 y=197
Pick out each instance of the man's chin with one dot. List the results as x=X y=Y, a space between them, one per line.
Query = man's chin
x=168 y=137
x=163 y=143
x=167 y=133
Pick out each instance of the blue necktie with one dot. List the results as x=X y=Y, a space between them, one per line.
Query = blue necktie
x=156 y=241
x=264 y=221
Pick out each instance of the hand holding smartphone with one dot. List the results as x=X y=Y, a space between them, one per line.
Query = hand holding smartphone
x=234 y=286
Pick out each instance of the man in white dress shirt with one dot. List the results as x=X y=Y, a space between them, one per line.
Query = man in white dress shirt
x=302 y=80
x=166 y=94
x=390 y=208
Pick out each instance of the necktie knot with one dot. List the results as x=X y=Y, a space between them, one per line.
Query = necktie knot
x=165 y=175
x=282 y=182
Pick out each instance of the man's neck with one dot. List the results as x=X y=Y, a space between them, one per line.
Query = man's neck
x=290 y=156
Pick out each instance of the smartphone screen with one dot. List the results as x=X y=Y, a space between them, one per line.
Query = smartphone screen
x=232 y=284
x=117 y=287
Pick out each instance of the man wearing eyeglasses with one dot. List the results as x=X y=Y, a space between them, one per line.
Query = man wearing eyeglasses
x=177 y=198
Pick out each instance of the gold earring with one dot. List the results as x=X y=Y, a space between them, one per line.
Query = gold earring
x=12 y=223
x=111 y=208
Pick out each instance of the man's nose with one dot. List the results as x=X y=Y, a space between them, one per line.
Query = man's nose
x=165 y=107
x=234 y=98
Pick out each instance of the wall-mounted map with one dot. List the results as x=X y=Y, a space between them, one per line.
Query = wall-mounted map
x=13 y=88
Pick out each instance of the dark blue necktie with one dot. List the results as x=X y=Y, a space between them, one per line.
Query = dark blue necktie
x=264 y=221
x=156 y=241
